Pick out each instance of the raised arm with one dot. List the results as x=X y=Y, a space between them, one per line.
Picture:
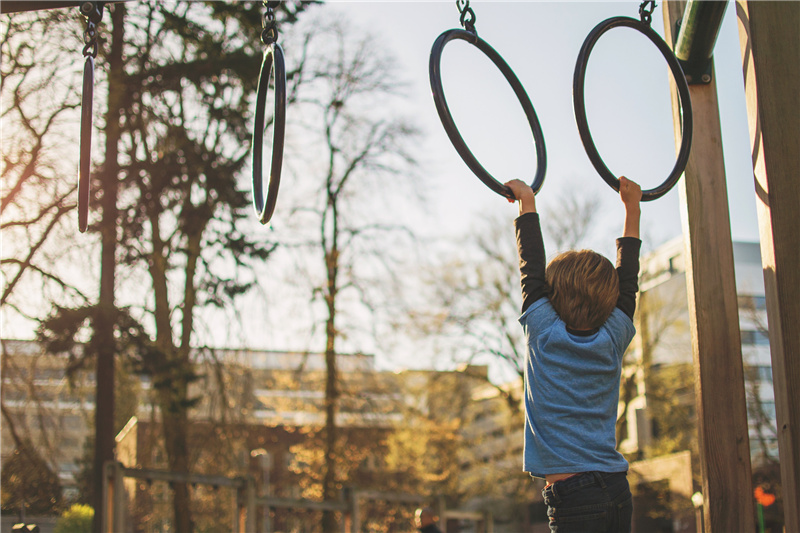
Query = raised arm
x=628 y=247
x=631 y=195
x=530 y=245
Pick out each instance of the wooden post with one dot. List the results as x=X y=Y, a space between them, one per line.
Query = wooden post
x=355 y=511
x=107 y=498
x=250 y=495
x=120 y=516
x=769 y=34
x=713 y=313
x=441 y=512
x=488 y=522
x=246 y=502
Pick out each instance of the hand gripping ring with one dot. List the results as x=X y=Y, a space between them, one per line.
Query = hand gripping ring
x=84 y=167
x=579 y=103
x=273 y=60
x=450 y=126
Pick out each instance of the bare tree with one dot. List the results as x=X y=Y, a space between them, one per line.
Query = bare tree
x=358 y=145
x=176 y=138
x=474 y=290
x=38 y=159
x=38 y=194
x=766 y=431
x=569 y=221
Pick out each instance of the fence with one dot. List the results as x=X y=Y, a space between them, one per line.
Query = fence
x=248 y=503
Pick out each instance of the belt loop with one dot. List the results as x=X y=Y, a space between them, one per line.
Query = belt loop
x=599 y=478
x=553 y=493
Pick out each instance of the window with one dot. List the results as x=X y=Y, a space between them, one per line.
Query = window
x=49 y=374
x=758 y=303
x=673 y=264
x=758 y=373
x=752 y=337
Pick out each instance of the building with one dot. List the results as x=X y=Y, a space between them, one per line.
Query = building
x=664 y=343
x=54 y=410
x=265 y=422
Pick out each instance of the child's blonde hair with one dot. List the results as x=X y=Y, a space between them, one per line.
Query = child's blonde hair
x=583 y=287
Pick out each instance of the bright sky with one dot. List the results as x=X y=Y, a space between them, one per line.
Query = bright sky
x=628 y=109
x=627 y=96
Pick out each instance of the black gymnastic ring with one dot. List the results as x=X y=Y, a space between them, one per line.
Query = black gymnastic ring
x=580 y=104
x=84 y=165
x=273 y=60
x=450 y=126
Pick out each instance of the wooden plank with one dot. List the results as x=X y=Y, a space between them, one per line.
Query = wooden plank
x=769 y=35
x=714 y=314
x=464 y=515
x=181 y=477
x=390 y=496
x=301 y=503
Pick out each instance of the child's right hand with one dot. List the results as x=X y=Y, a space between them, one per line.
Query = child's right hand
x=629 y=192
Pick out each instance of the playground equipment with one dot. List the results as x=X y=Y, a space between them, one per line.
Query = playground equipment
x=579 y=101
x=93 y=12
x=470 y=35
x=116 y=497
x=697 y=35
x=771 y=61
x=273 y=62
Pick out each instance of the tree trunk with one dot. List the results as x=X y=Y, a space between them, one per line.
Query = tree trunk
x=175 y=422
x=329 y=491
x=103 y=321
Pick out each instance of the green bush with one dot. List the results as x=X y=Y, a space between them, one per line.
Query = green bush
x=76 y=519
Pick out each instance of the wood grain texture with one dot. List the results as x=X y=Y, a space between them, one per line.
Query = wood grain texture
x=714 y=314
x=769 y=35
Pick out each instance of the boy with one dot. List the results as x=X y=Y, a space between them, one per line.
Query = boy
x=577 y=315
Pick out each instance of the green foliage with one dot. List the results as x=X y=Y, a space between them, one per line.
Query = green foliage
x=76 y=519
x=28 y=482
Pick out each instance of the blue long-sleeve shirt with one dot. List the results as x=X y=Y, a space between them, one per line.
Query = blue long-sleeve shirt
x=572 y=378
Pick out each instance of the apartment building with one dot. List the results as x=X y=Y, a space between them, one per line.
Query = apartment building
x=54 y=410
x=663 y=342
x=272 y=400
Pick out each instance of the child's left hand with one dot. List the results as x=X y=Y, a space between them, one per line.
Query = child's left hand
x=520 y=190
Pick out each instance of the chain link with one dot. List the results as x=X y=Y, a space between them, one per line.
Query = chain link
x=269 y=24
x=647 y=14
x=467 y=16
x=93 y=12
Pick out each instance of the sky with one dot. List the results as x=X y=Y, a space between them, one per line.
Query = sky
x=628 y=107
x=627 y=99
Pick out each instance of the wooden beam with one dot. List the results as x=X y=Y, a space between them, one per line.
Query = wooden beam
x=769 y=34
x=714 y=313
x=19 y=6
x=150 y=474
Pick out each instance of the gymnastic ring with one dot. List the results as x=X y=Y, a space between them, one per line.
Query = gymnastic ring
x=85 y=163
x=579 y=103
x=450 y=126
x=273 y=60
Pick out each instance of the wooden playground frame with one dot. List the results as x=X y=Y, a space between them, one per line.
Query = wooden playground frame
x=770 y=48
x=116 y=498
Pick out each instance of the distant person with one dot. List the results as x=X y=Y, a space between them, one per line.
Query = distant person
x=425 y=520
x=577 y=316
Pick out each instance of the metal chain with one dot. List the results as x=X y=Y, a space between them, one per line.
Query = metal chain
x=467 y=16
x=269 y=25
x=93 y=12
x=90 y=40
x=647 y=14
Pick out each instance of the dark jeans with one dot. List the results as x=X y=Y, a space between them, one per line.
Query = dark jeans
x=590 y=502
